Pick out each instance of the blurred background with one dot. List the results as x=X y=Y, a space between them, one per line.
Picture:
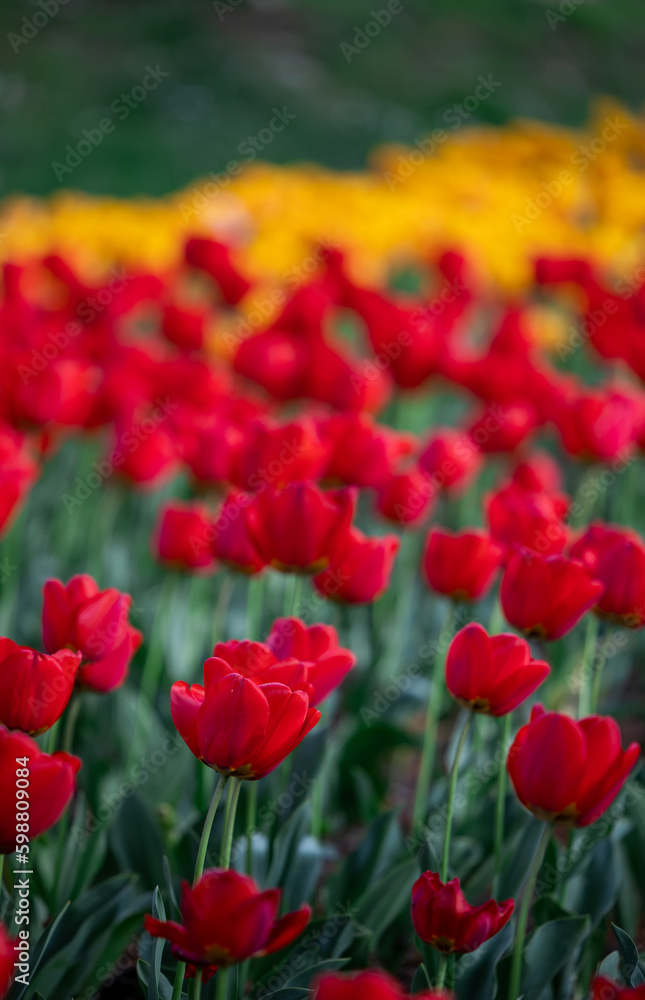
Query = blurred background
x=66 y=67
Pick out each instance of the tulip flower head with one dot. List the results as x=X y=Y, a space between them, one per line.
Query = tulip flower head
x=52 y=781
x=34 y=687
x=360 y=572
x=226 y=919
x=242 y=725
x=93 y=622
x=491 y=674
x=546 y=596
x=184 y=536
x=370 y=985
x=445 y=920
x=568 y=772
x=299 y=528
x=616 y=557
x=605 y=989
x=461 y=566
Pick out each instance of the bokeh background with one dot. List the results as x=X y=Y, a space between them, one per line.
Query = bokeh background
x=230 y=63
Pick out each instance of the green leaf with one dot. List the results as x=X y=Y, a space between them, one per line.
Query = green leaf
x=386 y=898
x=304 y=872
x=286 y=842
x=548 y=951
x=629 y=954
x=136 y=842
x=41 y=953
x=476 y=976
x=420 y=980
x=518 y=859
x=304 y=977
x=595 y=890
x=381 y=847
x=158 y=911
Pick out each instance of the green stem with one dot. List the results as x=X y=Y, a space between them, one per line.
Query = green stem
x=199 y=869
x=450 y=809
x=227 y=842
x=432 y=717
x=251 y=819
x=208 y=826
x=293 y=591
x=196 y=986
x=50 y=738
x=71 y=718
x=443 y=968
x=152 y=669
x=179 y=981
x=501 y=794
x=590 y=680
x=523 y=917
x=221 y=608
x=221 y=984
x=255 y=605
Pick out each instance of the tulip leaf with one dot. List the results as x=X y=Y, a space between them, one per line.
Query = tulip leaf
x=519 y=859
x=386 y=898
x=381 y=846
x=548 y=951
x=304 y=977
x=420 y=980
x=158 y=911
x=286 y=843
x=595 y=890
x=136 y=842
x=41 y=952
x=477 y=978
x=288 y=993
x=304 y=872
x=610 y=966
x=630 y=959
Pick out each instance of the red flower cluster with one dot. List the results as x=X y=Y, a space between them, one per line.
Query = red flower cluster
x=370 y=985
x=34 y=687
x=226 y=920
x=616 y=557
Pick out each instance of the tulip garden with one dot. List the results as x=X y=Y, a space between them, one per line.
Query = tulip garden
x=322 y=581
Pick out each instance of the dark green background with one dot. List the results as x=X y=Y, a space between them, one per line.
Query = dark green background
x=226 y=74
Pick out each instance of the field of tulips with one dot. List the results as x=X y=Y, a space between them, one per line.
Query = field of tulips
x=322 y=580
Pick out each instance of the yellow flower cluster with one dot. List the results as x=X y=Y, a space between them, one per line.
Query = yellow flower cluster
x=500 y=195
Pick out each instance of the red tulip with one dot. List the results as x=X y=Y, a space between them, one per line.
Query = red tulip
x=370 y=985
x=505 y=431
x=34 y=687
x=299 y=528
x=538 y=472
x=546 y=595
x=8 y=957
x=317 y=646
x=276 y=360
x=444 y=919
x=360 y=572
x=215 y=259
x=51 y=780
x=226 y=919
x=184 y=536
x=232 y=544
x=18 y=472
x=463 y=565
x=598 y=425
x=276 y=454
x=569 y=772
x=533 y=520
x=491 y=674
x=237 y=726
x=450 y=459
x=616 y=557
x=94 y=622
x=406 y=497
x=184 y=327
x=362 y=451
x=605 y=989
